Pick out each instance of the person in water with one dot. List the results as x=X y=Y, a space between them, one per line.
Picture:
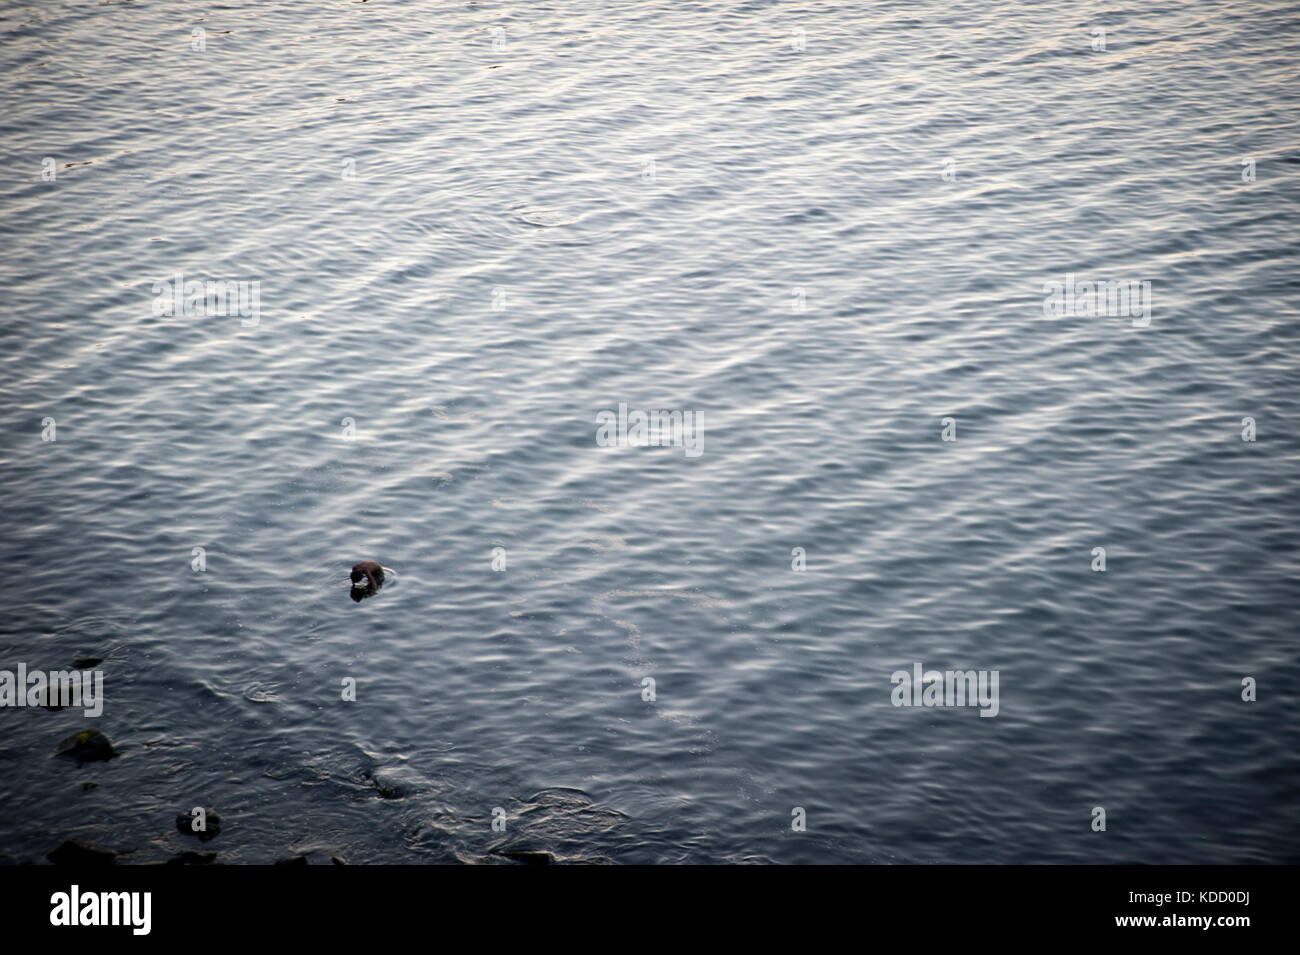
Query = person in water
x=371 y=572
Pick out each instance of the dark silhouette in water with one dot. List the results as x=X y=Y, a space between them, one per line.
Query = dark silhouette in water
x=372 y=574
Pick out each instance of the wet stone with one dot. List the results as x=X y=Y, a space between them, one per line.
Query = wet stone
x=527 y=858
x=212 y=824
x=392 y=783
x=54 y=699
x=87 y=746
x=77 y=852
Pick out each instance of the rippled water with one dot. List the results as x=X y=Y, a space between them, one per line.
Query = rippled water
x=822 y=227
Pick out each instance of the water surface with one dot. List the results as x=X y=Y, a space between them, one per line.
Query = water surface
x=464 y=255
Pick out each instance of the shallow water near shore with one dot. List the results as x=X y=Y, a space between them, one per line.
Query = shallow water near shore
x=466 y=252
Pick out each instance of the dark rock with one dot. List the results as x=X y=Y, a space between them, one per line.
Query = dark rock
x=190 y=857
x=338 y=860
x=76 y=852
x=395 y=782
x=211 y=822
x=87 y=663
x=292 y=860
x=527 y=858
x=52 y=698
x=85 y=787
x=87 y=746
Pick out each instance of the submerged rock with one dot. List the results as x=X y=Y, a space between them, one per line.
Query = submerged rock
x=211 y=824
x=292 y=860
x=76 y=852
x=190 y=857
x=396 y=782
x=87 y=746
x=527 y=858
x=87 y=663
x=51 y=698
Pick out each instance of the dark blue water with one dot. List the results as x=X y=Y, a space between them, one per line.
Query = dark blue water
x=821 y=229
